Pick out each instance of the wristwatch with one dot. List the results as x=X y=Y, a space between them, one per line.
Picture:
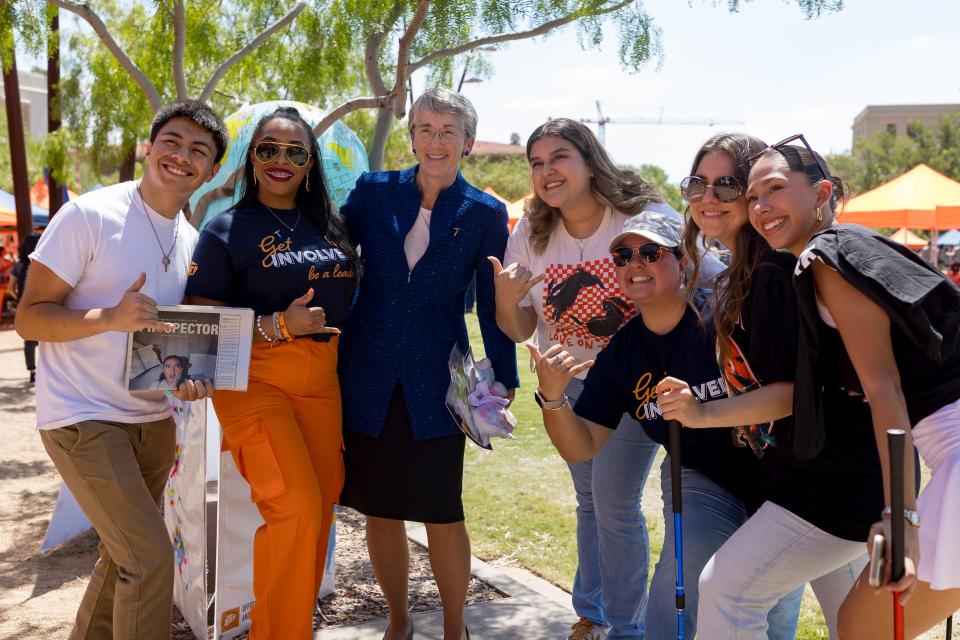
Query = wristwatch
x=550 y=405
x=911 y=516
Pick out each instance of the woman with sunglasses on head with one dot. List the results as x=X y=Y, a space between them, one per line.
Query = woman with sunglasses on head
x=559 y=283
x=284 y=252
x=811 y=514
x=425 y=233
x=881 y=326
x=667 y=335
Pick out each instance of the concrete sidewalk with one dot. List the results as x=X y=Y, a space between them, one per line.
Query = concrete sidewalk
x=531 y=609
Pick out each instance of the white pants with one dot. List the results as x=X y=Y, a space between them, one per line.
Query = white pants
x=772 y=554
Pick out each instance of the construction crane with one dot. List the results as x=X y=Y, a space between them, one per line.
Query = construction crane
x=601 y=121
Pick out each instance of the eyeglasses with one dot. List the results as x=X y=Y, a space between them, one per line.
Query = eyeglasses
x=799 y=136
x=426 y=134
x=725 y=188
x=650 y=253
x=297 y=154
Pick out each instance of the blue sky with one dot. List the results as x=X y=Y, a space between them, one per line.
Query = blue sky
x=766 y=66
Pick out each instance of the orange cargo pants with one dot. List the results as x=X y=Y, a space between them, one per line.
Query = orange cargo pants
x=285 y=438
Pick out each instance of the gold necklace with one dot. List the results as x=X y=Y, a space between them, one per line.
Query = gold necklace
x=176 y=231
x=280 y=220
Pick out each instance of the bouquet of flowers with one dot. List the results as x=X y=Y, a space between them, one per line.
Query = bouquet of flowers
x=476 y=401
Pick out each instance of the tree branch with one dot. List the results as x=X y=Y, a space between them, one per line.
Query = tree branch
x=371 y=58
x=179 y=46
x=262 y=37
x=403 y=57
x=378 y=102
x=507 y=37
x=85 y=12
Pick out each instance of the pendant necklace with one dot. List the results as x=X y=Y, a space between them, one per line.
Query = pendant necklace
x=280 y=220
x=176 y=231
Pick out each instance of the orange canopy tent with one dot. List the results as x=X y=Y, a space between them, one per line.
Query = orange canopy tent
x=909 y=200
x=948 y=216
x=908 y=239
x=40 y=194
x=515 y=210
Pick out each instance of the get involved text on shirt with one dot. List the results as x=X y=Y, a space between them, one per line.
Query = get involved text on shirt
x=624 y=377
x=247 y=258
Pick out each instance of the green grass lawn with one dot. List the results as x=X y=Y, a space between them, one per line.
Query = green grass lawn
x=520 y=503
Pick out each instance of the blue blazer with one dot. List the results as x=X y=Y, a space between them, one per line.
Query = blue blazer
x=404 y=323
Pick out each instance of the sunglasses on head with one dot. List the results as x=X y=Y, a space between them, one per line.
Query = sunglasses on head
x=650 y=252
x=297 y=154
x=785 y=142
x=725 y=188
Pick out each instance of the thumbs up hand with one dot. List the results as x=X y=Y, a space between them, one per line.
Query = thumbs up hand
x=512 y=282
x=135 y=311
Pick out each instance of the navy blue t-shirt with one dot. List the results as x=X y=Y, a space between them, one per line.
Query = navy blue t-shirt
x=246 y=258
x=624 y=377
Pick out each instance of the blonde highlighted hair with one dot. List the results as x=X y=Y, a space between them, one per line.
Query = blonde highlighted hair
x=620 y=190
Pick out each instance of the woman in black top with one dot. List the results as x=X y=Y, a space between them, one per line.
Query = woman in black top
x=830 y=499
x=282 y=248
x=879 y=322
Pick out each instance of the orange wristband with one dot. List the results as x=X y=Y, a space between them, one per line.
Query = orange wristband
x=283 y=328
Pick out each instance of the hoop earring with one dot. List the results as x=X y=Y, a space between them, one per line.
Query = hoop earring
x=819 y=214
x=307 y=186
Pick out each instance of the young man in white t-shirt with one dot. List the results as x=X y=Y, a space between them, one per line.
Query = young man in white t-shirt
x=100 y=269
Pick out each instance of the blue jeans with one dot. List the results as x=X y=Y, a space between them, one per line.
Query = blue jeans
x=711 y=514
x=613 y=554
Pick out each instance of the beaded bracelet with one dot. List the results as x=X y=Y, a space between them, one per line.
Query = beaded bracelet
x=262 y=332
x=276 y=326
x=283 y=328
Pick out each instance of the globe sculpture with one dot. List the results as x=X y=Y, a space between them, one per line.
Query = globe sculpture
x=344 y=159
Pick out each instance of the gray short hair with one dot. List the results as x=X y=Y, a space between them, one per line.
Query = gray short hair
x=443 y=100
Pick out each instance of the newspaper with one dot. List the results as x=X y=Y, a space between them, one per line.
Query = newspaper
x=476 y=402
x=206 y=343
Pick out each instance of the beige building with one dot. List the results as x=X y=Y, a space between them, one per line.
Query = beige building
x=33 y=102
x=894 y=118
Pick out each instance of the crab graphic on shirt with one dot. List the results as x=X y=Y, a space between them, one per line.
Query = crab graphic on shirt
x=583 y=303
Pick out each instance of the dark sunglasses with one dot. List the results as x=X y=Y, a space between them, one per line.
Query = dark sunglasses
x=786 y=141
x=651 y=252
x=725 y=188
x=297 y=154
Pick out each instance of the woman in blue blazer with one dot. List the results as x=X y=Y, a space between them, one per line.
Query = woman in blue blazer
x=424 y=233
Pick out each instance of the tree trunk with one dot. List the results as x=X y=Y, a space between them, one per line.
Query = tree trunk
x=129 y=165
x=18 y=151
x=379 y=143
x=54 y=188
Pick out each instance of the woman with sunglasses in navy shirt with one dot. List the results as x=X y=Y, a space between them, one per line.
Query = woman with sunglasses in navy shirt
x=283 y=251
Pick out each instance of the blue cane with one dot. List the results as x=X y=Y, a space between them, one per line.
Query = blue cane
x=675 y=431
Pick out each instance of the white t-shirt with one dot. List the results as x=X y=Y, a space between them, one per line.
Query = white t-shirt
x=99 y=244
x=579 y=304
x=415 y=244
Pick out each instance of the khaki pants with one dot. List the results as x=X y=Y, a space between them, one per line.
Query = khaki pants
x=117 y=473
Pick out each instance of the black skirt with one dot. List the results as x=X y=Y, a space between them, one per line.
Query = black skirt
x=393 y=476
